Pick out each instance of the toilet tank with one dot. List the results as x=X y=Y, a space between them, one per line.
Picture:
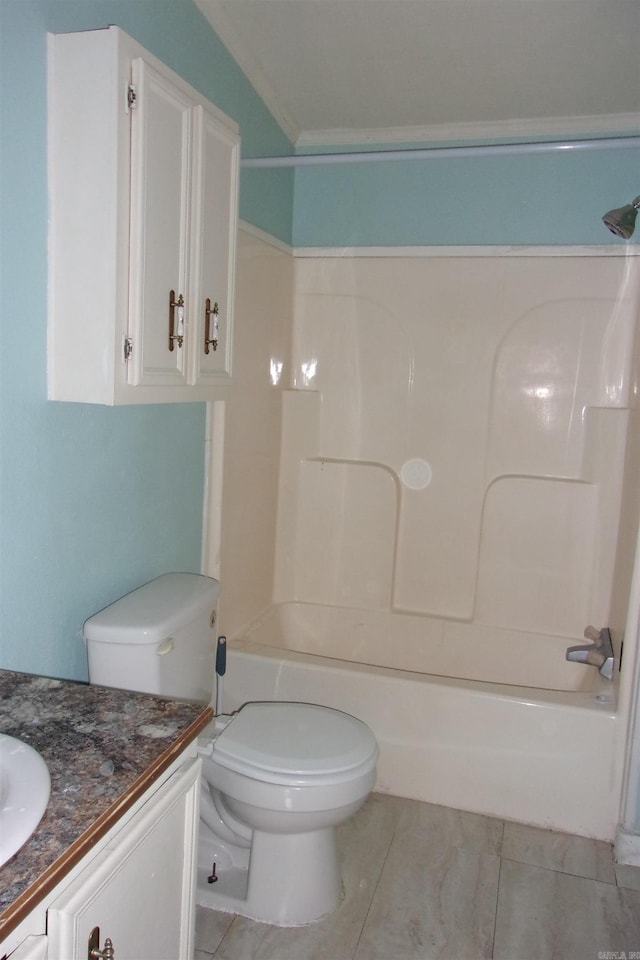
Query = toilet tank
x=160 y=638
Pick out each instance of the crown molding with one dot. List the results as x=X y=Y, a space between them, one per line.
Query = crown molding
x=566 y=127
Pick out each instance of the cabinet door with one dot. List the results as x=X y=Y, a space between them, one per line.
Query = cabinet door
x=215 y=179
x=140 y=890
x=160 y=202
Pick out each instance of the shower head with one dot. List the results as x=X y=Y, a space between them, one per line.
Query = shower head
x=623 y=220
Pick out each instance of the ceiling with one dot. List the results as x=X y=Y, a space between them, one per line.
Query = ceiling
x=357 y=71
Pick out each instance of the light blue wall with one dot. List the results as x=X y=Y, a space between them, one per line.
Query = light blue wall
x=93 y=501
x=535 y=199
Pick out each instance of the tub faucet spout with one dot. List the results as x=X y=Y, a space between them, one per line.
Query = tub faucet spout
x=599 y=653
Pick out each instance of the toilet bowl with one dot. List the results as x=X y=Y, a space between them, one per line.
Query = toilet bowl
x=280 y=777
x=277 y=777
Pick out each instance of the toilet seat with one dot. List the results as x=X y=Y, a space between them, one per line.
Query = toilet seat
x=295 y=744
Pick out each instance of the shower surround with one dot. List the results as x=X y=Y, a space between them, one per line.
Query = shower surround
x=456 y=502
x=455 y=441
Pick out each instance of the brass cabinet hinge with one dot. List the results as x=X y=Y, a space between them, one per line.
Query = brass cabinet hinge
x=132 y=97
x=127 y=348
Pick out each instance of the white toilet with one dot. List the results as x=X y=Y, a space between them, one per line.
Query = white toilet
x=277 y=777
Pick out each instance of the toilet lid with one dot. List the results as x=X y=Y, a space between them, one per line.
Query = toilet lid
x=294 y=739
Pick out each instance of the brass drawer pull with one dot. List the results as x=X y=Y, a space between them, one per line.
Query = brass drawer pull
x=176 y=332
x=95 y=953
x=208 y=313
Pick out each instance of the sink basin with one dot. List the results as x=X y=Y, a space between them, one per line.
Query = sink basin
x=24 y=793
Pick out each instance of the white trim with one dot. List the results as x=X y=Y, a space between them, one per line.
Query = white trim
x=260 y=234
x=630 y=690
x=626 y=848
x=608 y=250
x=212 y=499
x=598 y=124
x=578 y=250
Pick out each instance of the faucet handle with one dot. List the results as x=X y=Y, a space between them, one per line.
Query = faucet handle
x=592 y=633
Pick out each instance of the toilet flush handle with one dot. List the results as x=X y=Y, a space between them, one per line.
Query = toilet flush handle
x=165 y=647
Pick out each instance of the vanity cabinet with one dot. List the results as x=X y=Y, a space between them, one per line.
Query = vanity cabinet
x=140 y=892
x=136 y=888
x=143 y=185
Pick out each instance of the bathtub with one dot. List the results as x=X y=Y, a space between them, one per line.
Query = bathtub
x=542 y=746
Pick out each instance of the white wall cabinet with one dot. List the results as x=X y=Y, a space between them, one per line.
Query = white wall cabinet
x=138 y=887
x=143 y=183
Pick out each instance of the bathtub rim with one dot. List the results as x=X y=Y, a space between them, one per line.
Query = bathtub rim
x=602 y=694
x=570 y=700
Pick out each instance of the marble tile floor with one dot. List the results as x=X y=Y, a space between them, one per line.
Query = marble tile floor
x=422 y=881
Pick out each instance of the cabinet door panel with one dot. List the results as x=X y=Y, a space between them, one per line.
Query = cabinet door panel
x=140 y=890
x=160 y=173
x=215 y=178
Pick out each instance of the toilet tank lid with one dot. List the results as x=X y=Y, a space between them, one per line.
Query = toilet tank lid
x=154 y=611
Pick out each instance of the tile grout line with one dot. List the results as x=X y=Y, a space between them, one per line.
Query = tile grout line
x=224 y=935
x=373 y=893
x=495 y=913
x=563 y=873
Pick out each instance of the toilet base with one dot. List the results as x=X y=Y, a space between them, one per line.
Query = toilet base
x=288 y=879
x=231 y=873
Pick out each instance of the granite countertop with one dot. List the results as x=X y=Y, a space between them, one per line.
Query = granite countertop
x=103 y=748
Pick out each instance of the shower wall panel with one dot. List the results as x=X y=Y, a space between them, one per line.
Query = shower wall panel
x=252 y=430
x=508 y=380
